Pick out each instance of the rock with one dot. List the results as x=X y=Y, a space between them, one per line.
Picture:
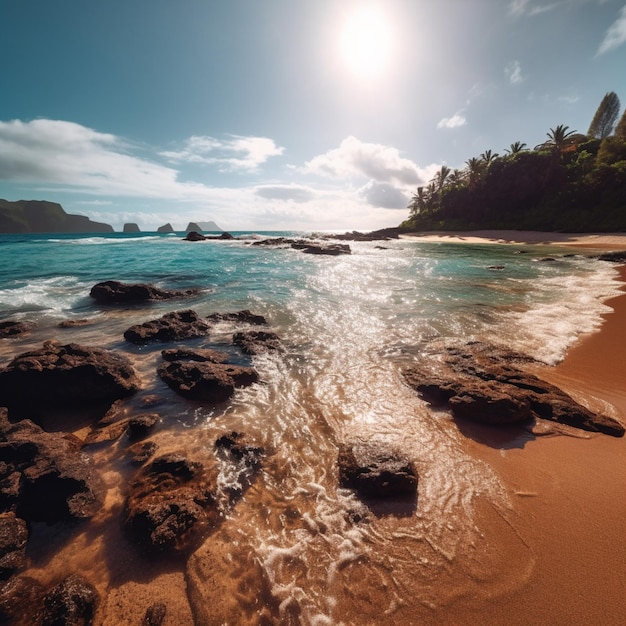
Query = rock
x=72 y=602
x=331 y=250
x=141 y=452
x=244 y=462
x=201 y=355
x=13 y=539
x=155 y=614
x=20 y=599
x=131 y=227
x=172 y=326
x=375 y=473
x=45 y=476
x=139 y=426
x=115 y=292
x=619 y=256
x=384 y=234
x=171 y=505
x=68 y=376
x=483 y=383
x=239 y=317
x=10 y=328
x=166 y=228
x=206 y=382
x=256 y=341
x=209 y=226
x=74 y=323
x=194 y=235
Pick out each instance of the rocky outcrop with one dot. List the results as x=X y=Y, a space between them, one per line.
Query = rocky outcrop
x=194 y=235
x=307 y=246
x=171 y=504
x=375 y=473
x=484 y=383
x=238 y=317
x=12 y=328
x=256 y=341
x=244 y=460
x=201 y=354
x=206 y=382
x=172 y=326
x=39 y=216
x=45 y=477
x=115 y=292
x=384 y=234
x=13 y=540
x=166 y=228
x=72 y=602
x=328 y=249
x=209 y=226
x=67 y=376
x=131 y=227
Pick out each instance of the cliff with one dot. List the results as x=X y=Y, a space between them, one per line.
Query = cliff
x=39 y=216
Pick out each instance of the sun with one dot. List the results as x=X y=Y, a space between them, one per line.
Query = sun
x=365 y=44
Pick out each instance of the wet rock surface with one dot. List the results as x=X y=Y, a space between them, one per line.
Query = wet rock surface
x=66 y=376
x=173 y=326
x=256 y=341
x=12 y=328
x=72 y=602
x=238 y=317
x=485 y=383
x=13 y=540
x=171 y=504
x=115 y=292
x=201 y=355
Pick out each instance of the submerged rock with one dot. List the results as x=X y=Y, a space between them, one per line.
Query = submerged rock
x=13 y=539
x=69 y=375
x=72 y=602
x=12 y=328
x=115 y=292
x=201 y=355
x=327 y=249
x=171 y=504
x=239 y=317
x=375 y=473
x=256 y=341
x=172 y=326
x=482 y=383
x=206 y=382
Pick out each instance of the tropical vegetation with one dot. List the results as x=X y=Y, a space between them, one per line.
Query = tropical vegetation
x=571 y=182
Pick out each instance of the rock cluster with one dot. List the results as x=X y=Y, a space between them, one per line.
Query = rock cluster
x=484 y=383
x=12 y=328
x=173 y=326
x=307 y=246
x=115 y=292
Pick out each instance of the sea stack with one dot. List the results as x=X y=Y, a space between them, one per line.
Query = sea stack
x=131 y=227
x=166 y=228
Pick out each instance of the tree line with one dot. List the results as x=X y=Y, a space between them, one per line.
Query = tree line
x=571 y=182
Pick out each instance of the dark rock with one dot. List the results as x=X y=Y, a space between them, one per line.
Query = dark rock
x=374 y=473
x=139 y=426
x=206 y=382
x=331 y=250
x=209 y=226
x=115 y=292
x=384 y=234
x=201 y=355
x=166 y=228
x=131 y=227
x=10 y=328
x=618 y=256
x=239 y=317
x=66 y=376
x=74 y=323
x=194 y=235
x=244 y=462
x=256 y=341
x=495 y=267
x=72 y=602
x=171 y=505
x=20 y=599
x=45 y=476
x=484 y=383
x=13 y=539
x=155 y=614
x=141 y=452
x=172 y=326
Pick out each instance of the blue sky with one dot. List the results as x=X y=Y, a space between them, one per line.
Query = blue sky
x=284 y=114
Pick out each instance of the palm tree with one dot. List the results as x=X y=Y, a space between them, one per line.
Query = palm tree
x=418 y=202
x=515 y=148
x=559 y=138
x=440 y=177
x=488 y=157
x=474 y=171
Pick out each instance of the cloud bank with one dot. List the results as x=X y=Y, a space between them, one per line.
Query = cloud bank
x=616 y=34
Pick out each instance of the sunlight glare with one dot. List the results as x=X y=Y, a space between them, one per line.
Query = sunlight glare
x=366 y=42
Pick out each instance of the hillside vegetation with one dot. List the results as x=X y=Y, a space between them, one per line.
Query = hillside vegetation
x=573 y=183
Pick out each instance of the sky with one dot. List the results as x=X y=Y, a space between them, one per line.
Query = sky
x=284 y=114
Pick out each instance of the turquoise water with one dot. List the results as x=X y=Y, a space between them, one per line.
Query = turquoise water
x=347 y=324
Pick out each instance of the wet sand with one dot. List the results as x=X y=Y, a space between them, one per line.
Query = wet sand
x=568 y=496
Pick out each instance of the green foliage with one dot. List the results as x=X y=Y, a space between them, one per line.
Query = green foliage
x=605 y=117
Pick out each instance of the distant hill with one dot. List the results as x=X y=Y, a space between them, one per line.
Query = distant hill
x=39 y=216
x=202 y=226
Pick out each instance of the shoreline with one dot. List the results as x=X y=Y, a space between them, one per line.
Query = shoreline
x=607 y=241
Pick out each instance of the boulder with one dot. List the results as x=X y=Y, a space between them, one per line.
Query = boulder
x=194 y=235
x=172 y=326
x=484 y=383
x=13 y=539
x=155 y=614
x=327 y=249
x=20 y=601
x=140 y=426
x=45 y=477
x=171 y=505
x=115 y=292
x=238 y=317
x=68 y=376
x=375 y=473
x=72 y=602
x=256 y=341
x=204 y=381
x=200 y=354
x=11 y=328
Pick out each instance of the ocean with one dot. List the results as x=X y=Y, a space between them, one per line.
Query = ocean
x=347 y=324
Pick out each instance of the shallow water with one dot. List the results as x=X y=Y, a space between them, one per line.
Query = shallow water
x=347 y=324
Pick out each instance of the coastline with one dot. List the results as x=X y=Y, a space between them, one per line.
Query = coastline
x=607 y=241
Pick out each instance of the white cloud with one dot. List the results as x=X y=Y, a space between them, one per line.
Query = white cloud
x=295 y=193
x=513 y=72
x=384 y=196
x=615 y=36
x=68 y=154
x=370 y=160
x=234 y=154
x=458 y=119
